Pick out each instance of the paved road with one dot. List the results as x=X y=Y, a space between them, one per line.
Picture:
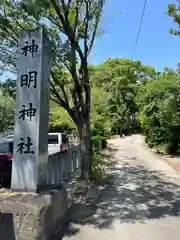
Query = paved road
x=141 y=201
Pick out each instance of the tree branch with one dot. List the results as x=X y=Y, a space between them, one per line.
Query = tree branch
x=96 y=26
x=57 y=99
x=74 y=45
x=60 y=100
x=86 y=22
x=6 y=30
x=68 y=29
x=62 y=88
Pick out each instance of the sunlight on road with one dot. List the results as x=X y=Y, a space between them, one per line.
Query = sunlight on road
x=140 y=201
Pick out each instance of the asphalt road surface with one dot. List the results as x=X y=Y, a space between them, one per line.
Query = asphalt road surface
x=141 y=201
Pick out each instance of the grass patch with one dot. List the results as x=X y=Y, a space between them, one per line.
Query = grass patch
x=101 y=162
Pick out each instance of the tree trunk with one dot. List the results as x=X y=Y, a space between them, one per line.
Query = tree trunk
x=86 y=150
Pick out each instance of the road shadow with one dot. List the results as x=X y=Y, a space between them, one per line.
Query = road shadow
x=132 y=194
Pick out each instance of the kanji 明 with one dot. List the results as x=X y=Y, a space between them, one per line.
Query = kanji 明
x=30 y=48
x=29 y=79
x=25 y=147
x=27 y=112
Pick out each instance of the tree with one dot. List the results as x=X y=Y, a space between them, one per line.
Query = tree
x=133 y=71
x=159 y=107
x=120 y=78
x=100 y=121
x=174 y=12
x=60 y=119
x=6 y=111
x=72 y=26
x=9 y=87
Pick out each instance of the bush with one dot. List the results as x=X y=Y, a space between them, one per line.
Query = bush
x=160 y=114
x=100 y=163
x=99 y=142
x=98 y=168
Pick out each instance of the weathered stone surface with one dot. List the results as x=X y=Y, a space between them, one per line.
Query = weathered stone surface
x=31 y=216
x=31 y=118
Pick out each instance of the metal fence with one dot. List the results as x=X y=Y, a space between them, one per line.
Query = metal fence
x=73 y=139
x=62 y=166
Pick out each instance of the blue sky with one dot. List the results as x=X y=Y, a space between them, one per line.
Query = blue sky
x=156 y=46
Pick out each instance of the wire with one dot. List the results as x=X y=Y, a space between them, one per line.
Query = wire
x=139 y=30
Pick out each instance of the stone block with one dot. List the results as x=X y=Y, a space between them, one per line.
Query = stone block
x=25 y=216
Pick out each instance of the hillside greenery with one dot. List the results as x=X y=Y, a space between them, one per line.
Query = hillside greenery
x=118 y=96
x=127 y=97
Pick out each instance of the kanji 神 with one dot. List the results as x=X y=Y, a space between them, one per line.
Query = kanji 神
x=25 y=147
x=29 y=79
x=30 y=48
x=27 y=112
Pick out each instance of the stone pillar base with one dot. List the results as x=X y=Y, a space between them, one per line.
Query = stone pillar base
x=25 y=216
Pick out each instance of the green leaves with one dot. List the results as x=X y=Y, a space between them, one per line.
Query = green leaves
x=174 y=12
x=60 y=117
x=119 y=79
x=67 y=23
x=159 y=107
x=7 y=108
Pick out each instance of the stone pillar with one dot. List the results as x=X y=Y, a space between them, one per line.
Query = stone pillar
x=32 y=105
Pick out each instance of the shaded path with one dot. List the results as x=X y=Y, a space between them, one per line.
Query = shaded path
x=140 y=202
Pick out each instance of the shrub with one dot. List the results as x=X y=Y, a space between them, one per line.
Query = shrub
x=101 y=161
x=160 y=114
